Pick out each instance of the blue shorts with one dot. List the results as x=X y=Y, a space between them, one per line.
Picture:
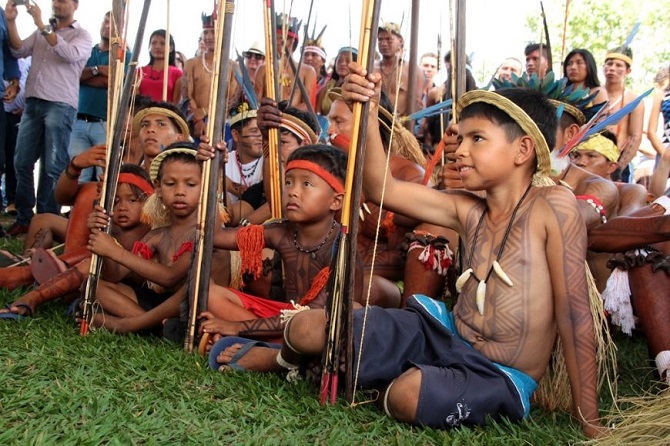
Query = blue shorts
x=459 y=385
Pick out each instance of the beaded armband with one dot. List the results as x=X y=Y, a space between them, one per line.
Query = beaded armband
x=597 y=206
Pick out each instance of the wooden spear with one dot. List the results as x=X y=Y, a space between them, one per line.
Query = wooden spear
x=413 y=62
x=166 y=60
x=201 y=265
x=341 y=287
x=271 y=88
x=113 y=163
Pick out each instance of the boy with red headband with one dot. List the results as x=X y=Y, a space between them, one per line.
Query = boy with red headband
x=313 y=194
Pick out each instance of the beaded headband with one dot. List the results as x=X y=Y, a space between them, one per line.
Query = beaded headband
x=316 y=50
x=242 y=113
x=298 y=128
x=156 y=163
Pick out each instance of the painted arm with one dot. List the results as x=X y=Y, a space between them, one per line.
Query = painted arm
x=566 y=234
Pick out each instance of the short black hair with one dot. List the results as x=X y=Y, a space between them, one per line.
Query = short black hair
x=532 y=47
x=533 y=102
x=333 y=160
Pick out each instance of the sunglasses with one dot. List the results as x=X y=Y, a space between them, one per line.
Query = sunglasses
x=254 y=56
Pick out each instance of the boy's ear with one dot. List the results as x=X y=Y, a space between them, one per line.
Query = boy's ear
x=525 y=150
x=337 y=201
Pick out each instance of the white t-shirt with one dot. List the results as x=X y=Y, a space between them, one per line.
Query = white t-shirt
x=243 y=174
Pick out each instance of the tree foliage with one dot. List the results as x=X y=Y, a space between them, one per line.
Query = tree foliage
x=599 y=26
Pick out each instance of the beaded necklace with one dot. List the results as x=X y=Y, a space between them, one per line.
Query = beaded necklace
x=312 y=252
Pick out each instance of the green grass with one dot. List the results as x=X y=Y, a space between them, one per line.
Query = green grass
x=61 y=388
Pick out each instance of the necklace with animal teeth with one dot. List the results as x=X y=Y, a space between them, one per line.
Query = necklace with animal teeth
x=495 y=267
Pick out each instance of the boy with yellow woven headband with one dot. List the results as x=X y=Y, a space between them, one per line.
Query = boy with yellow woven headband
x=525 y=279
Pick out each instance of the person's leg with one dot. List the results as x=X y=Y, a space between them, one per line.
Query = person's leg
x=43 y=229
x=28 y=151
x=225 y=304
x=84 y=136
x=3 y=142
x=401 y=399
x=147 y=320
x=58 y=122
x=58 y=286
x=11 y=131
x=118 y=299
x=77 y=230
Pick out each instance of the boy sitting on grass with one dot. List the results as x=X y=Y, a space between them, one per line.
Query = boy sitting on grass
x=312 y=195
x=524 y=278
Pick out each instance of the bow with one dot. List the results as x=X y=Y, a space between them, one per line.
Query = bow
x=207 y=210
x=114 y=152
x=341 y=285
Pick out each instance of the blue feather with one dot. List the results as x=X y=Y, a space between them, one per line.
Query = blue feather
x=243 y=78
x=440 y=107
x=632 y=34
x=614 y=118
x=559 y=111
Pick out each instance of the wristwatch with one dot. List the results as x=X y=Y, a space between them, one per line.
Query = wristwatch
x=95 y=71
x=48 y=29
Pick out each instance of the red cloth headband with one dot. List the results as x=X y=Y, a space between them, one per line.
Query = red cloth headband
x=318 y=170
x=144 y=185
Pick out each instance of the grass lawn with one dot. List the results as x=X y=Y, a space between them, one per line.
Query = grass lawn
x=61 y=388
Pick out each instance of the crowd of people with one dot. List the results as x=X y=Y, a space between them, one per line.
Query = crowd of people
x=475 y=244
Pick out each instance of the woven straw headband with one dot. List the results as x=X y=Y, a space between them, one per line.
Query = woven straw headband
x=519 y=116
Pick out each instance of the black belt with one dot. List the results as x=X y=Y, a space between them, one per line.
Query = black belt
x=88 y=118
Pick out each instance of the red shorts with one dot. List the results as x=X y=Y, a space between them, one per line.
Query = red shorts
x=262 y=308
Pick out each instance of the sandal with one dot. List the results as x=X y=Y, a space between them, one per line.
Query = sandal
x=17 y=316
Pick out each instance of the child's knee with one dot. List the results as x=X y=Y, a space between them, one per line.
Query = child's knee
x=402 y=396
x=305 y=331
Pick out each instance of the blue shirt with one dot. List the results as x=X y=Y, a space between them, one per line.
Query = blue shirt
x=9 y=68
x=93 y=100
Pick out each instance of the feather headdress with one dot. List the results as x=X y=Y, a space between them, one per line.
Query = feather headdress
x=577 y=102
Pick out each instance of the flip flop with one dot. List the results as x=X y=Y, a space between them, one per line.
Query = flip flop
x=228 y=341
x=16 y=316
x=74 y=308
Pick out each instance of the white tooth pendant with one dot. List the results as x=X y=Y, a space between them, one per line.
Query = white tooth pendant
x=481 y=296
x=500 y=273
x=462 y=279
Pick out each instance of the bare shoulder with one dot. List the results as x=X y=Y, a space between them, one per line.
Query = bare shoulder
x=277 y=231
x=550 y=200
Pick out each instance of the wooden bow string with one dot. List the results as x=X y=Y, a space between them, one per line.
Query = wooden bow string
x=271 y=88
x=117 y=129
x=339 y=306
x=201 y=267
